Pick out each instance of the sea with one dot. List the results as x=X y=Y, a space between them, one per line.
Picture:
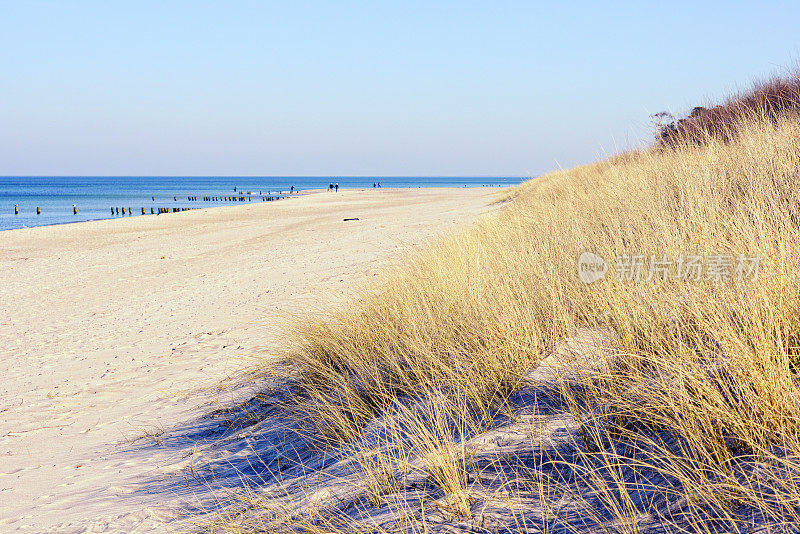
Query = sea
x=93 y=197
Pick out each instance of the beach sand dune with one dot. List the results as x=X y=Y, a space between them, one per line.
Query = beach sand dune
x=113 y=333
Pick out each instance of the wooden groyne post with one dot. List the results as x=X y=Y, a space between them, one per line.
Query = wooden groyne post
x=16 y=209
x=74 y=209
x=38 y=210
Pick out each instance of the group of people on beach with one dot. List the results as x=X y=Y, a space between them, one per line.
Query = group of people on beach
x=334 y=187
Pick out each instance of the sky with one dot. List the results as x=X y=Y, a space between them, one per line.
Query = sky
x=391 y=88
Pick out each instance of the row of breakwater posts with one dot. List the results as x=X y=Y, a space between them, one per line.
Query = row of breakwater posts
x=117 y=210
x=153 y=211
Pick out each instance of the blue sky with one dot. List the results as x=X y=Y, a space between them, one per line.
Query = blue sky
x=362 y=88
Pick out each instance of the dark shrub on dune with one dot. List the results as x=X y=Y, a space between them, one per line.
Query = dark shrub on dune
x=772 y=99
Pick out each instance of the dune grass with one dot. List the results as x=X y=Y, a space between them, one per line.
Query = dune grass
x=700 y=393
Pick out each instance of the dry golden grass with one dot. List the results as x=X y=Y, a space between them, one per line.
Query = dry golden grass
x=701 y=392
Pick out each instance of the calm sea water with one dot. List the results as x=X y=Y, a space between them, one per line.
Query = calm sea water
x=95 y=196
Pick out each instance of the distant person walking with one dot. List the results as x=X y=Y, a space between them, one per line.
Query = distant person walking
x=379 y=184
x=291 y=190
x=330 y=187
x=373 y=185
x=337 y=187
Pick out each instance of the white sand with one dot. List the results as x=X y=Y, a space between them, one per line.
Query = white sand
x=111 y=330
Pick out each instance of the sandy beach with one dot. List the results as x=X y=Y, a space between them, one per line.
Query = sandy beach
x=115 y=332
